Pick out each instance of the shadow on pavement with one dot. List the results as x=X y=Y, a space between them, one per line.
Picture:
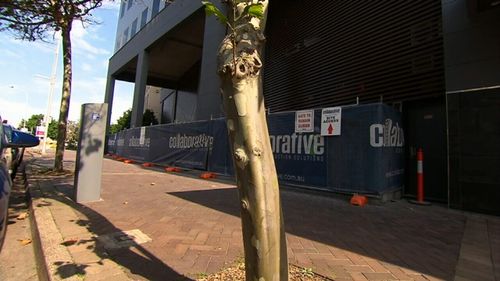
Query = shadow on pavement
x=420 y=239
x=136 y=259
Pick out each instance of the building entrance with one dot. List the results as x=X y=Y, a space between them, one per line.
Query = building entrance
x=425 y=127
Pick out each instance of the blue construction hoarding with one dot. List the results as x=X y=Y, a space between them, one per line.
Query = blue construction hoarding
x=367 y=156
x=300 y=158
x=186 y=145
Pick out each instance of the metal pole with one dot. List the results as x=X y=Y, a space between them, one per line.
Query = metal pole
x=420 y=175
x=51 y=92
x=26 y=111
x=420 y=179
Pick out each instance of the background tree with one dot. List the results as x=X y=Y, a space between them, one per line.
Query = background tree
x=34 y=20
x=239 y=65
x=52 y=130
x=149 y=118
x=73 y=134
x=22 y=124
x=122 y=123
x=33 y=121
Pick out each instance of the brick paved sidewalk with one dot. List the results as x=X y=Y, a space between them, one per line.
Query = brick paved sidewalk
x=64 y=248
x=195 y=229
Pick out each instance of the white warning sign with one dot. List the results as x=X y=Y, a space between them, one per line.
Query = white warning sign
x=142 y=136
x=304 y=121
x=330 y=121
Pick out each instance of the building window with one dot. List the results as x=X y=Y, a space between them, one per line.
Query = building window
x=117 y=45
x=156 y=8
x=186 y=106
x=168 y=108
x=122 y=9
x=144 y=17
x=125 y=37
x=133 y=28
x=130 y=2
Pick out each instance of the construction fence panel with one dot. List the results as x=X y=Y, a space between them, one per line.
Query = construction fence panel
x=367 y=157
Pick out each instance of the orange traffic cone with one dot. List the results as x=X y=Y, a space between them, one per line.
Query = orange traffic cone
x=359 y=200
x=207 y=175
x=173 y=169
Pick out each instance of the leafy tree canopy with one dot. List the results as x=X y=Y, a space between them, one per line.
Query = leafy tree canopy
x=73 y=134
x=149 y=118
x=34 y=19
x=52 y=130
x=123 y=122
x=37 y=120
x=32 y=122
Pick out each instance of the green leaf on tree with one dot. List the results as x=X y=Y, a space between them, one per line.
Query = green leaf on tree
x=254 y=10
x=211 y=9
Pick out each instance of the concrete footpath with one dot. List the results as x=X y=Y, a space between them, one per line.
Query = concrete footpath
x=153 y=225
x=17 y=262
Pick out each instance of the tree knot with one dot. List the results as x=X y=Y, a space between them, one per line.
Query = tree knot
x=238 y=53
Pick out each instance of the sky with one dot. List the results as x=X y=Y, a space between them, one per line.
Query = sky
x=26 y=66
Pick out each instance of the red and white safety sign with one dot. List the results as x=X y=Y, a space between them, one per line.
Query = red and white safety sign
x=304 y=121
x=330 y=121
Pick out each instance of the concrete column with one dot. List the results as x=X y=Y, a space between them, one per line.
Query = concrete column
x=141 y=78
x=108 y=98
x=209 y=99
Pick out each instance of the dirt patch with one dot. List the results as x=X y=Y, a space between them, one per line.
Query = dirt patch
x=236 y=272
x=38 y=170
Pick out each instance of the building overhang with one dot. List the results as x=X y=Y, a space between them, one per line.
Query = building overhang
x=173 y=40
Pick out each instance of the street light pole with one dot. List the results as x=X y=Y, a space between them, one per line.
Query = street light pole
x=51 y=92
x=26 y=109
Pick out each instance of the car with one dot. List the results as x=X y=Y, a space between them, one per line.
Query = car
x=10 y=140
x=13 y=155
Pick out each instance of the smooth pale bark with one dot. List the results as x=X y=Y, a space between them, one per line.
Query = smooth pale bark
x=262 y=220
x=65 y=98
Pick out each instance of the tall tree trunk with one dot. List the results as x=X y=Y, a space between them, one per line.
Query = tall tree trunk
x=65 y=98
x=262 y=220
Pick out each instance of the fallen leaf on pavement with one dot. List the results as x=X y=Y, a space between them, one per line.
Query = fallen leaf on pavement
x=22 y=216
x=70 y=241
x=24 y=242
